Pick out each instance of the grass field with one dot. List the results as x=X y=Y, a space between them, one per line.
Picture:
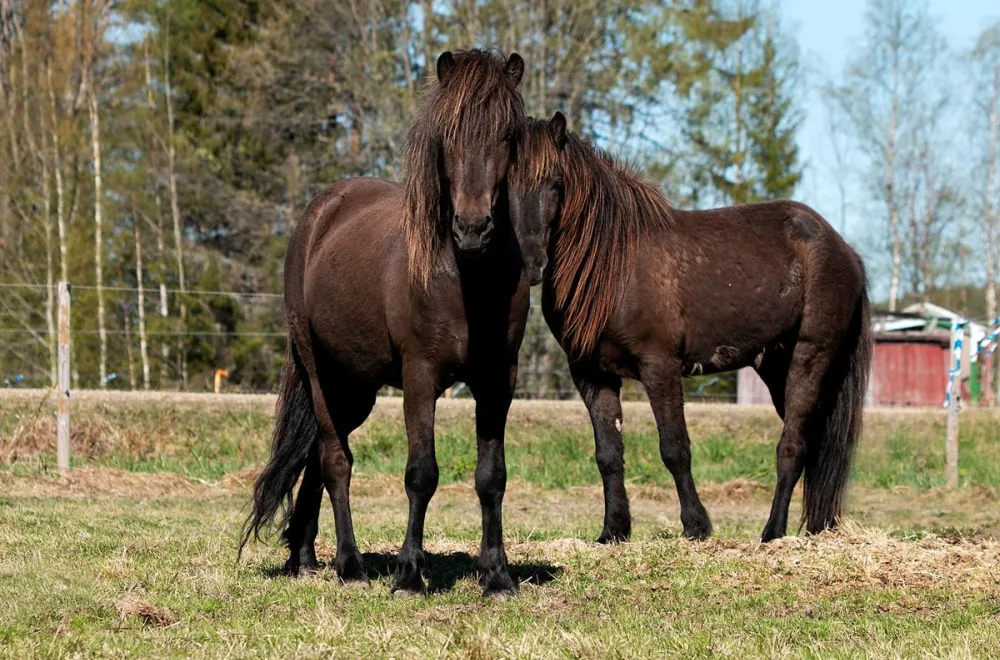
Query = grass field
x=134 y=552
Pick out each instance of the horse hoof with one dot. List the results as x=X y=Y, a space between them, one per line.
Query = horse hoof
x=405 y=594
x=357 y=583
x=297 y=569
x=612 y=538
x=499 y=585
x=499 y=594
x=698 y=531
x=350 y=567
x=410 y=589
x=409 y=582
x=769 y=535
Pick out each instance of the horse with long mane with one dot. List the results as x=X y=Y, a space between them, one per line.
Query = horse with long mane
x=415 y=286
x=638 y=289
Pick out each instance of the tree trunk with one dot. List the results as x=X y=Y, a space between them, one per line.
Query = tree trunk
x=897 y=240
x=60 y=184
x=161 y=250
x=95 y=141
x=50 y=291
x=128 y=351
x=991 y=202
x=174 y=207
x=407 y=66
x=428 y=35
x=739 y=197
x=143 y=346
x=992 y=229
x=164 y=346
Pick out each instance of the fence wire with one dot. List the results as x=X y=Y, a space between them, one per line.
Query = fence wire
x=192 y=334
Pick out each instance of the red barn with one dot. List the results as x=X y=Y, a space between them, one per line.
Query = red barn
x=910 y=369
x=912 y=359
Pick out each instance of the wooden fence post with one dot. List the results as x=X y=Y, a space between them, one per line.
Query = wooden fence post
x=961 y=338
x=62 y=416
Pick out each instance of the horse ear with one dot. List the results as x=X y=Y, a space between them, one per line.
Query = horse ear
x=557 y=129
x=445 y=63
x=515 y=67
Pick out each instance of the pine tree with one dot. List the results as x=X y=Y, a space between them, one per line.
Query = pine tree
x=773 y=125
x=740 y=119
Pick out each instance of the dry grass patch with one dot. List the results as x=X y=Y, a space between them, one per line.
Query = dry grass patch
x=132 y=606
x=86 y=482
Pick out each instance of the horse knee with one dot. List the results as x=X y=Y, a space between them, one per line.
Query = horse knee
x=610 y=458
x=421 y=476
x=790 y=454
x=675 y=451
x=336 y=463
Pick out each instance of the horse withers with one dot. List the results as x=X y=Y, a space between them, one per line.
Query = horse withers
x=637 y=289
x=415 y=286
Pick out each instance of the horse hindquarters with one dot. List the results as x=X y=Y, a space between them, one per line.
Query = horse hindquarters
x=820 y=397
x=830 y=452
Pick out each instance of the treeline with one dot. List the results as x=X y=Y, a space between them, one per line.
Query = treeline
x=171 y=145
x=174 y=143
x=914 y=133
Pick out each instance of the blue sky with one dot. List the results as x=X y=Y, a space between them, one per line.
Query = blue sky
x=826 y=30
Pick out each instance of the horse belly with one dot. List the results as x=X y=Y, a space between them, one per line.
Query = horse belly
x=731 y=324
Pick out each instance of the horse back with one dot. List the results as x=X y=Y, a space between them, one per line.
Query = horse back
x=721 y=286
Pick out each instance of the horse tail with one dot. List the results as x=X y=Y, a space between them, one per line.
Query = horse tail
x=830 y=449
x=295 y=434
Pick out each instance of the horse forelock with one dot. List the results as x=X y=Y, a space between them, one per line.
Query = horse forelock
x=478 y=104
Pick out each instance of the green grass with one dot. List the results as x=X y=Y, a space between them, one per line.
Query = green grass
x=150 y=570
x=898 y=448
x=70 y=568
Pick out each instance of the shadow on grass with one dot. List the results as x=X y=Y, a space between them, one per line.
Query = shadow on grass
x=441 y=571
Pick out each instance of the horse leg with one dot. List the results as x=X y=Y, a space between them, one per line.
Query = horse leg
x=335 y=459
x=348 y=411
x=303 y=524
x=419 y=397
x=808 y=366
x=666 y=395
x=773 y=370
x=492 y=406
x=602 y=395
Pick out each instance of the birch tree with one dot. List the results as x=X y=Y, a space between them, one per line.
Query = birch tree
x=986 y=79
x=95 y=36
x=879 y=93
x=985 y=58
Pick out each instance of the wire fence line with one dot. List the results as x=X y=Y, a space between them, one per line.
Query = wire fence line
x=144 y=291
x=156 y=333
x=240 y=333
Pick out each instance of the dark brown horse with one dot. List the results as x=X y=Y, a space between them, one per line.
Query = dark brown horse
x=415 y=286
x=638 y=289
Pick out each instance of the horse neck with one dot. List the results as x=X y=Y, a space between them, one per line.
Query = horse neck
x=596 y=247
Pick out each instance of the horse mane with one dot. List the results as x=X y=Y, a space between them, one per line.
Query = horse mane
x=608 y=208
x=478 y=103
